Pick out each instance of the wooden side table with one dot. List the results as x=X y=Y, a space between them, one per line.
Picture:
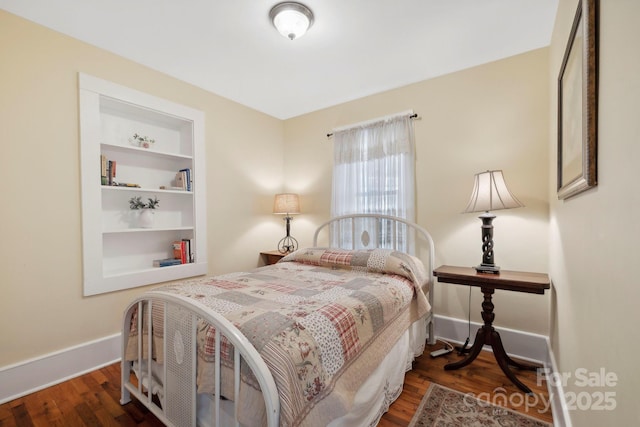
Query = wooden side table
x=535 y=283
x=271 y=257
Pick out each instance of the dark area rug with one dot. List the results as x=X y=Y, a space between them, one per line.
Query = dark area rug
x=443 y=407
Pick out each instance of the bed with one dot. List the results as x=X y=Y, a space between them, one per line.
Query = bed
x=323 y=337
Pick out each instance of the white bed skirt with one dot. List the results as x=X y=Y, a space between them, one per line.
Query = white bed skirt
x=372 y=399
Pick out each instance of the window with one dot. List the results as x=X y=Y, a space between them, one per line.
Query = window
x=374 y=172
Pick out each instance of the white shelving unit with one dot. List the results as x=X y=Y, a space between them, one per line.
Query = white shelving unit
x=117 y=254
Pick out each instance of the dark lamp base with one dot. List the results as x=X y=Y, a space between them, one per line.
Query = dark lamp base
x=487 y=268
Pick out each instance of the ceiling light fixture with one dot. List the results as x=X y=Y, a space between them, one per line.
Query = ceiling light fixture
x=291 y=19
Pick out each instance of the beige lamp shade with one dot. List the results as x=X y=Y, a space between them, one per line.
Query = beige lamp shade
x=490 y=193
x=286 y=203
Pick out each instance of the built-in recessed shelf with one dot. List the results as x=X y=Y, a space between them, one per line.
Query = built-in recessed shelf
x=147 y=230
x=144 y=151
x=118 y=252
x=146 y=190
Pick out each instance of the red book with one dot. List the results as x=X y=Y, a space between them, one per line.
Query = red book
x=183 y=252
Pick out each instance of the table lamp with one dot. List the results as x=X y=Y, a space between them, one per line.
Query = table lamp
x=287 y=204
x=490 y=193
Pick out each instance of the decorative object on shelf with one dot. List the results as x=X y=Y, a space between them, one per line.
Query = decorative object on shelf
x=287 y=204
x=141 y=141
x=291 y=19
x=137 y=203
x=490 y=193
x=145 y=219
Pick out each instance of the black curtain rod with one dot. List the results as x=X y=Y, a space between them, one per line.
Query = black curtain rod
x=413 y=116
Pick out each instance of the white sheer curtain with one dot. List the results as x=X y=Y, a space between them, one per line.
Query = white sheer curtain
x=374 y=170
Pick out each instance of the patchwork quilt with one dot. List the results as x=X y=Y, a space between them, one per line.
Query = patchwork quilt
x=320 y=318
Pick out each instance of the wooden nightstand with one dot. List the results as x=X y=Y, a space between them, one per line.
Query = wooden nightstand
x=271 y=257
x=517 y=281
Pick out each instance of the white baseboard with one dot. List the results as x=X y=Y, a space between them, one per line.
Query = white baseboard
x=522 y=345
x=559 y=406
x=36 y=374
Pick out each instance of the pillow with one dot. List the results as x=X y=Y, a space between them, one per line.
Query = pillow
x=369 y=260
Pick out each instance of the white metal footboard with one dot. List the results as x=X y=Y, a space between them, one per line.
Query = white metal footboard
x=372 y=228
x=171 y=393
x=175 y=403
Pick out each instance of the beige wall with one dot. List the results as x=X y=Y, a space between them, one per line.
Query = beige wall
x=498 y=115
x=494 y=116
x=594 y=236
x=41 y=304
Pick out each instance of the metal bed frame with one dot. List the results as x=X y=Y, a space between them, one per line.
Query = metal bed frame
x=177 y=393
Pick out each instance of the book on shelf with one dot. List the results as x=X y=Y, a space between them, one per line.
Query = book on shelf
x=188 y=247
x=166 y=262
x=177 y=249
x=183 y=250
x=103 y=170
x=187 y=178
x=181 y=180
x=107 y=171
x=111 y=171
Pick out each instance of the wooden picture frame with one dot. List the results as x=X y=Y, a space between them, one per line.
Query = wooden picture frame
x=578 y=104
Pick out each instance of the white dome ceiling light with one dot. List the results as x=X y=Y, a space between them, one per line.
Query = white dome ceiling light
x=291 y=19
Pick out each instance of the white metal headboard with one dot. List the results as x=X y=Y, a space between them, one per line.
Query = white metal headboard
x=370 y=231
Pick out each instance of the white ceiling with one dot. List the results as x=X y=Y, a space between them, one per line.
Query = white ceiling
x=355 y=48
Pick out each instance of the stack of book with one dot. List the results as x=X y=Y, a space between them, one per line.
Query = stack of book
x=166 y=262
x=107 y=170
x=182 y=250
x=182 y=254
x=108 y=173
x=183 y=179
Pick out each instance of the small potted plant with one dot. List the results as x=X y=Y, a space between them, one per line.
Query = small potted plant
x=145 y=219
x=141 y=141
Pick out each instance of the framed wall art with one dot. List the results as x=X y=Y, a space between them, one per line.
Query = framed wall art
x=578 y=105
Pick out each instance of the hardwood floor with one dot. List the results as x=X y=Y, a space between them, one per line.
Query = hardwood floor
x=89 y=400
x=483 y=378
x=93 y=399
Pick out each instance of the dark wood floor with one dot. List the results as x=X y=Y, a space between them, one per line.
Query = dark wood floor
x=93 y=399
x=483 y=378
